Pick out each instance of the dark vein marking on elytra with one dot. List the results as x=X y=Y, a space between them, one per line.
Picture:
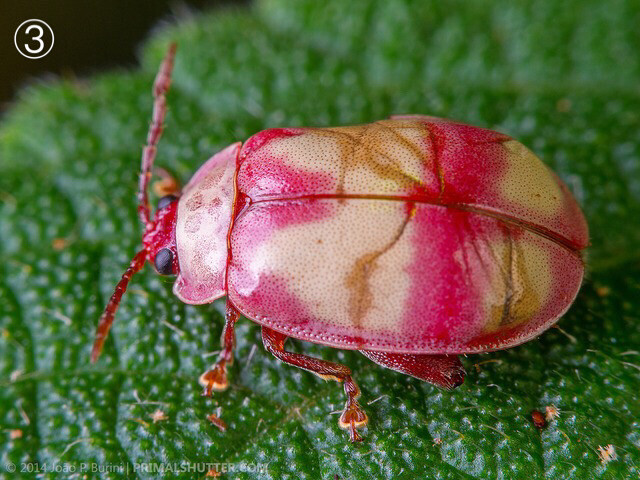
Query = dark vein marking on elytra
x=506 y=316
x=355 y=144
x=357 y=280
x=435 y=147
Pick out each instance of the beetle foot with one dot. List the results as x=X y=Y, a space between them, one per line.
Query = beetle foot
x=352 y=418
x=214 y=379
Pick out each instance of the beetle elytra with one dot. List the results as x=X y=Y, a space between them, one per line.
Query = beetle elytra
x=412 y=240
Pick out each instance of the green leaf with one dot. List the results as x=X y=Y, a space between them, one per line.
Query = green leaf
x=560 y=76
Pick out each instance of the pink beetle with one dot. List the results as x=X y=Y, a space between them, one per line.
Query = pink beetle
x=411 y=240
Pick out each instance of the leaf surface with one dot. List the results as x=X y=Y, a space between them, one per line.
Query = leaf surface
x=562 y=77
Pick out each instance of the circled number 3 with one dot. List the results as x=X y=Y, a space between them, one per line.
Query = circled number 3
x=37 y=38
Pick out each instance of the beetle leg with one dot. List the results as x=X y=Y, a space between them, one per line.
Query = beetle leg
x=216 y=377
x=442 y=370
x=353 y=417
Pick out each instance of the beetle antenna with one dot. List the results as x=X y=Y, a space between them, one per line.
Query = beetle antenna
x=110 y=310
x=160 y=89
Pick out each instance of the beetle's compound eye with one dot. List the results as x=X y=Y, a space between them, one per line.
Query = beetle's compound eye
x=164 y=262
x=166 y=200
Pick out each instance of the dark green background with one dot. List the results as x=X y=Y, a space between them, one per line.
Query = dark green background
x=90 y=35
x=560 y=76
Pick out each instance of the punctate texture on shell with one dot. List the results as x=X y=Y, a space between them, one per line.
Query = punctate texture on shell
x=415 y=235
x=204 y=215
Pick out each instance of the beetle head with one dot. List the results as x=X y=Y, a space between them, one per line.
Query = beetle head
x=160 y=237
